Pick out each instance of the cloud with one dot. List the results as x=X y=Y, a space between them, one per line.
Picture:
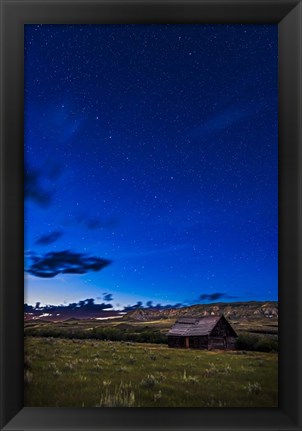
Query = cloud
x=108 y=297
x=139 y=304
x=34 y=189
x=149 y=306
x=38 y=183
x=54 y=171
x=222 y=120
x=28 y=308
x=215 y=296
x=84 y=305
x=65 y=262
x=96 y=223
x=89 y=304
x=49 y=238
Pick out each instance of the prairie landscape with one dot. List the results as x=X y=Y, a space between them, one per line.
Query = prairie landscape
x=151 y=202
x=127 y=363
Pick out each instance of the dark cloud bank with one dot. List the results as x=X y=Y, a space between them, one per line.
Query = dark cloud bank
x=83 y=305
x=64 y=262
x=149 y=306
x=89 y=305
x=108 y=297
x=215 y=296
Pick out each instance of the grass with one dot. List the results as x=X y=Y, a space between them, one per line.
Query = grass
x=259 y=334
x=94 y=373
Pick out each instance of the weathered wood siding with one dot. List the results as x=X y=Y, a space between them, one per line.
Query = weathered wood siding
x=222 y=343
x=199 y=342
x=222 y=329
x=174 y=341
x=217 y=343
x=231 y=343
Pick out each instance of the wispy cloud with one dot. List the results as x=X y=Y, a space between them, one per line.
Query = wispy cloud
x=222 y=120
x=34 y=190
x=39 y=183
x=49 y=238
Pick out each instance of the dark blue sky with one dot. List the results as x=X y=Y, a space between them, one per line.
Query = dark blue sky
x=151 y=163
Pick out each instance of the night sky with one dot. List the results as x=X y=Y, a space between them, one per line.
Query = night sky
x=150 y=163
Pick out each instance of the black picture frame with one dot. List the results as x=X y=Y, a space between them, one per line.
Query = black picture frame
x=288 y=15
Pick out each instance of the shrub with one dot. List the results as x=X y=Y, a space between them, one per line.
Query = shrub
x=267 y=344
x=253 y=388
x=68 y=366
x=257 y=343
x=211 y=370
x=227 y=369
x=246 y=342
x=98 y=367
x=190 y=379
x=161 y=377
x=149 y=381
x=122 y=396
x=28 y=376
x=27 y=362
x=122 y=370
x=157 y=396
x=132 y=334
x=131 y=360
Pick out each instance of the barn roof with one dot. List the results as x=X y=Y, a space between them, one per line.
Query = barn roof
x=194 y=326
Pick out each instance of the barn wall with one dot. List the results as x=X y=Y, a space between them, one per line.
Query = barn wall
x=223 y=329
x=196 y=342
x=199 y=342
x=178 y=342
x=231 y=343
x=217 y=343
x=203 y=342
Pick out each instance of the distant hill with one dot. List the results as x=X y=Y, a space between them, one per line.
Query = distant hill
x=70 y=315
x=234 y=310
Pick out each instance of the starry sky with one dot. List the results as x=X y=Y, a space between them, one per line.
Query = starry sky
x=150 y=163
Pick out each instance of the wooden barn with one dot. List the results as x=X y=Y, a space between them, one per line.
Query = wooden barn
x=210 y=332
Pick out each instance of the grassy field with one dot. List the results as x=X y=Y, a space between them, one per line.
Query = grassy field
x=252 y=325
x=262 y=333
x=94 y=373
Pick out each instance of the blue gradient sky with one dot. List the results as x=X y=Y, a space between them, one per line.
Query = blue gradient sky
x=155 y=147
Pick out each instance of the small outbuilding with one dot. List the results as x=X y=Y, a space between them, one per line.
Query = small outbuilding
x=210 y=332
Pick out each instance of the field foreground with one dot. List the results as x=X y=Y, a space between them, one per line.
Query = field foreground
x=94 y=373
